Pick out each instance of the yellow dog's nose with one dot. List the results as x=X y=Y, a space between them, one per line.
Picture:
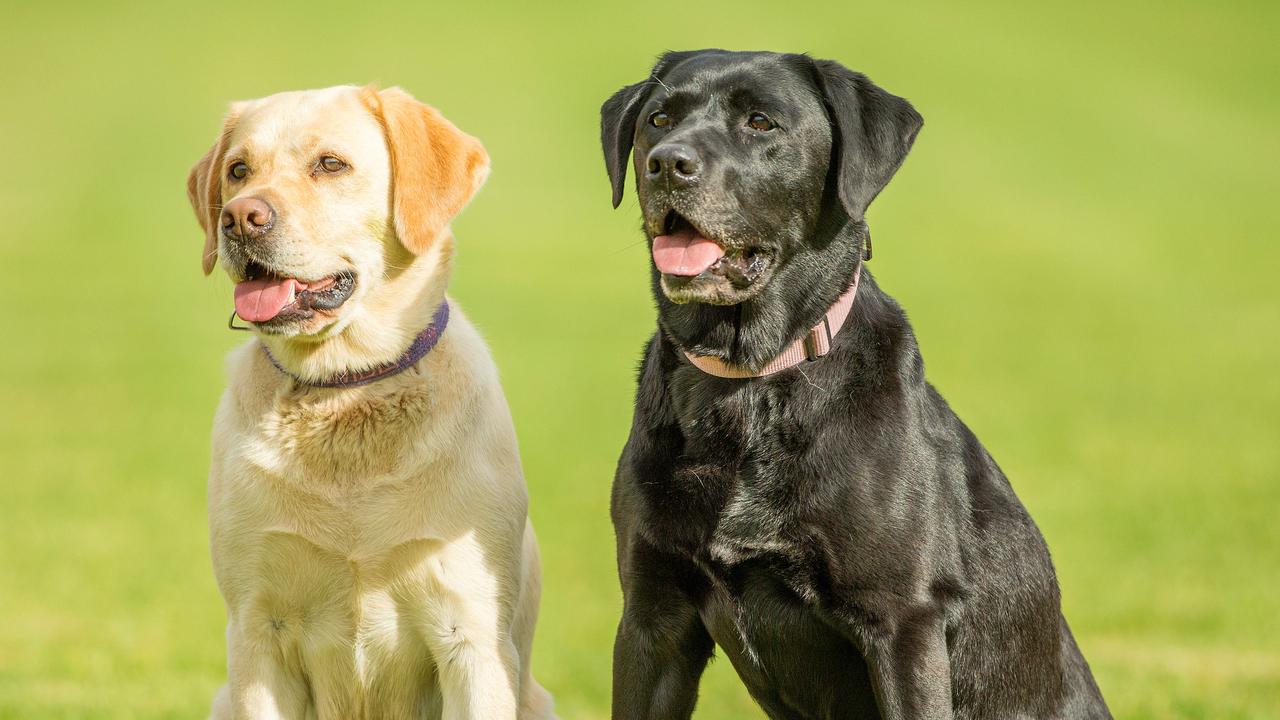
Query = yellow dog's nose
x=247 y=218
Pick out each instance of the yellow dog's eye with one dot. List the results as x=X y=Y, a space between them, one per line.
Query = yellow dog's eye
x=238 y=171
x=331 y=164
x=659 y=119
x=760 y=121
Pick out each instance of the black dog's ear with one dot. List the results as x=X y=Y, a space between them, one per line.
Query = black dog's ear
x=872 y=132
x=618 y=118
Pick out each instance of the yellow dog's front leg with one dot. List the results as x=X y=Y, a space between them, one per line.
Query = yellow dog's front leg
x=259 y=684
x=477 y=680
x=468 y=607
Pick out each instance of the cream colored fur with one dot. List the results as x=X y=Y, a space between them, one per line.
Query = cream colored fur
x=371 y=543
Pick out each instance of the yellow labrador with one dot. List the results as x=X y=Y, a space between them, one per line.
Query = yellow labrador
x=367 y=509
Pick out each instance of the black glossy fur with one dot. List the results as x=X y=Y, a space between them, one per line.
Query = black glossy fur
x=839 y=533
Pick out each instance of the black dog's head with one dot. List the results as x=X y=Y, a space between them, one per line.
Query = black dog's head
x=740 y=157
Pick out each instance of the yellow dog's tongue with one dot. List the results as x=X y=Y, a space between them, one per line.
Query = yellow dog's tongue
x=262 y=299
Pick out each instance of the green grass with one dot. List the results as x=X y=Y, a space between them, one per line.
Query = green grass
x=1084 y=237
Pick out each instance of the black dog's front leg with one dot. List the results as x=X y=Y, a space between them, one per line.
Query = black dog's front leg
x=662 y=646
x=909 y=666
x=906 y=654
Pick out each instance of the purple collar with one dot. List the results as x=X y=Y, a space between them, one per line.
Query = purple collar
x=422 y=345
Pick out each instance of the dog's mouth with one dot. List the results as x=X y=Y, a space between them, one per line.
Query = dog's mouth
x=265 y=297
x=683 y=251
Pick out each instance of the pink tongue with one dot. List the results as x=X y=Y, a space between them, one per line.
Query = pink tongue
x=262 y=299
x=685 y=253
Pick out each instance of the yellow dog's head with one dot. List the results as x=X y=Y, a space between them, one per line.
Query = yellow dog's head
x=318 y=200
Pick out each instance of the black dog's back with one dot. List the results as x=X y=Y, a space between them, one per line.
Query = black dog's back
x=839 y=533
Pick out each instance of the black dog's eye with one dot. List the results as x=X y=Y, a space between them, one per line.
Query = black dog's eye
x=760 y=121
x=659 y=119
x=238 y=170
x=330 y=164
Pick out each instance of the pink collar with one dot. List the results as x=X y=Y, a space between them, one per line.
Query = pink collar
x=812 y=346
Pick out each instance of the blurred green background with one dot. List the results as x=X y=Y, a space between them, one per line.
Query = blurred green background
x=1084 y=236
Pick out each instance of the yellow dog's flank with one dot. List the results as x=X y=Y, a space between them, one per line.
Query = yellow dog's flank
x=371 y=543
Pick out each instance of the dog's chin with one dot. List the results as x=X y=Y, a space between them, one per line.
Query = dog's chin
x=739 y=277
x=302 y=324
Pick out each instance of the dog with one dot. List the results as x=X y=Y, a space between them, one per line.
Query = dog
x=367 y=509
x=793 y=490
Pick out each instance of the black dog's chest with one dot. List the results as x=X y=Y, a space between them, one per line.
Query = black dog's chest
x=730 y=502
x=734 y=482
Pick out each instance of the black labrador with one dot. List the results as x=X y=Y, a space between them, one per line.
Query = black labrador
x=833 y=527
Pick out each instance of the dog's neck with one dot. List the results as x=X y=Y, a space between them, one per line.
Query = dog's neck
x=752 y=333
x=383 y=328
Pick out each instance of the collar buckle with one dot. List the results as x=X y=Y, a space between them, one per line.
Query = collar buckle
x=818 y=342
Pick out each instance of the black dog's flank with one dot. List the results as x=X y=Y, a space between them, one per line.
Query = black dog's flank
x=839 y=533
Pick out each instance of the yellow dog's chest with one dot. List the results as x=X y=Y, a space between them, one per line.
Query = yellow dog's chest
x=321 y=439
x=321 y=540
x=347 y=477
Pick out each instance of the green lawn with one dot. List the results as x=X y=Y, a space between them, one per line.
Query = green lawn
x=1084 y=237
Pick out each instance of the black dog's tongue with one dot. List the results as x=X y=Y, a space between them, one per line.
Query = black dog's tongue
x=685 y=253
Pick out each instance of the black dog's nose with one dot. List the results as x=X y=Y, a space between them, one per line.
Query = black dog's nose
x=247 y=218
x=679 y=163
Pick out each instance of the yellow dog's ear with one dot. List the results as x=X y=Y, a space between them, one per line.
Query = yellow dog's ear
x=435 y=167
x=204 y=190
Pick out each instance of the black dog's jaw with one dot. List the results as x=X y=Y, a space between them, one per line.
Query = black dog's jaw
x=834 y=528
